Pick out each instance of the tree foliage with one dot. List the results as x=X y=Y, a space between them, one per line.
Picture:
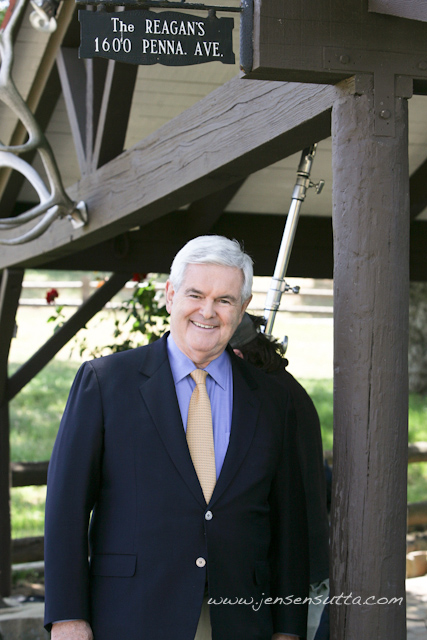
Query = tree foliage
x=140 y=319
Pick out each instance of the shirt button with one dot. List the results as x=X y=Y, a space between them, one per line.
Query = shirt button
x=208 y=515
x=200 y=562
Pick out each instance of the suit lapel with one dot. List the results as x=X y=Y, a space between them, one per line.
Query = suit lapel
x=244 y=420
x=159 y=395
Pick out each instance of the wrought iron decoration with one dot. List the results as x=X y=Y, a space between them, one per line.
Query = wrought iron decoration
x=54 y=201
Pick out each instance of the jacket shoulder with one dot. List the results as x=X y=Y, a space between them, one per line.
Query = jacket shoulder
x=132 y=359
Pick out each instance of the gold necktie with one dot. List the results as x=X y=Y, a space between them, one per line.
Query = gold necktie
x=200 y=434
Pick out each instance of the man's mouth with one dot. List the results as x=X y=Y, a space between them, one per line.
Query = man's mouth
x=203 y=326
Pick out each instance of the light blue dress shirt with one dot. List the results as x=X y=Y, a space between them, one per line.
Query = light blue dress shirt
x=219 y=385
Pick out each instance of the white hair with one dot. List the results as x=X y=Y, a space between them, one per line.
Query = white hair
x=213 y=250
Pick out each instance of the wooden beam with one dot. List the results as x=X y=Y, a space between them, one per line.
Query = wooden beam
x=371 y=284
x=10 y=290
x=412 y=9
x=204 y=213
x=27 y=549
x=72 y=72
x=114 y=112
x=240 y=128
x=417 y=514
x=96 y=73
x=25 y=474
x=153 y=247
x=84 y=313
x=312 y=251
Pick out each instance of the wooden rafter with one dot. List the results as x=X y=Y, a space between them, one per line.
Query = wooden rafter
x=72 y=73
x=236 y=130
x=98 y=97
x=153 y=247
x=10 y=289
x=114 y=112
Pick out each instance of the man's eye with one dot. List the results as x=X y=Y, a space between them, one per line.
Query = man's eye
x=225 y=301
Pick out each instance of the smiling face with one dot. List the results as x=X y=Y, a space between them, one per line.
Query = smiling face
x=206 y=310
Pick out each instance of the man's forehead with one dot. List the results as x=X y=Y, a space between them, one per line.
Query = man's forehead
x=202 y=275
x=200 y=269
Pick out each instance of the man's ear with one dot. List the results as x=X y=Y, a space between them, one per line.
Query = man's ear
x=169 y=295
x=238 y=353
x=245 y=306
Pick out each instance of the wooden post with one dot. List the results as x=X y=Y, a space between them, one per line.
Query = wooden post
x=371 y=283
x=10 y=290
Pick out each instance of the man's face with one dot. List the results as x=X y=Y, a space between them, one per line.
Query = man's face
x=206 y=310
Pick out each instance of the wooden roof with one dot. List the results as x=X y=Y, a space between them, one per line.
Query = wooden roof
x=205 y=150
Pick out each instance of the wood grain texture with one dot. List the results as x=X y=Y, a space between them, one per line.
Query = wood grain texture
x=236 y=130
x=25 y=474
x=291 y=38
x=10 y=289
x=371 y=283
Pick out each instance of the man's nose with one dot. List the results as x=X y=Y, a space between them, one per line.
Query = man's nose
x=208 y=309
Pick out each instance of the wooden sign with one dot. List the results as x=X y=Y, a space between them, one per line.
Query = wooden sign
x=147 y=37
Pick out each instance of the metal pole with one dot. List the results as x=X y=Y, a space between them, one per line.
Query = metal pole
x=278 y=284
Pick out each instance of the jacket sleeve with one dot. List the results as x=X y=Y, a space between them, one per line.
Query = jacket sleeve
x=289 y=547
x=72 y=488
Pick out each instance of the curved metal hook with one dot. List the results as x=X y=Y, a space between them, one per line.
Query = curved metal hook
x=54 y=203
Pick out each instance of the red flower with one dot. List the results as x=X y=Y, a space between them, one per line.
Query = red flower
x=51 y=295
x=138 y=277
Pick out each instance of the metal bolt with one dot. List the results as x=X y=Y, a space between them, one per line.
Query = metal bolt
x=385 y=114
x=344 y=59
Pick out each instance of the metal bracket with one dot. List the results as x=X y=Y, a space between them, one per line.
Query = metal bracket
x=54 y=201
x=393 y=74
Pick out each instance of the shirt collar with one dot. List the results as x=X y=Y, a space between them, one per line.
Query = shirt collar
x=182 y=366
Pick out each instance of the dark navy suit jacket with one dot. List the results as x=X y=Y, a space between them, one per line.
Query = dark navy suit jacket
x=121 y=454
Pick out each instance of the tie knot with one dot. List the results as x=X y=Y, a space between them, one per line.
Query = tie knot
x=199 y=376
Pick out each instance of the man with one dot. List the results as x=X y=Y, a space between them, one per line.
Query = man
x=267 y=353
x=166 y=525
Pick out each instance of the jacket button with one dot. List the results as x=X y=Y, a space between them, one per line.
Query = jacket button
x=200 y=562
x=208 y=515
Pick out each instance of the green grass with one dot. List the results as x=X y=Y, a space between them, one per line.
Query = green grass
x=28 y=511
x=35 y=414
x=37 y=410
x=321 y=392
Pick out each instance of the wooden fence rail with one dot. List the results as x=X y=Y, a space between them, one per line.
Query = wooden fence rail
x=35 y=473
x=86 y=286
